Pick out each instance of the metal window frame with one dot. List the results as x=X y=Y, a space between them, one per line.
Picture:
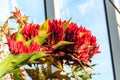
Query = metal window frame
x=49 y=9
x=112 y=32
x=113 y=37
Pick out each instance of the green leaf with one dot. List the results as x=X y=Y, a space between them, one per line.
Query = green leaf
x=65 y=25
x=10 y=63
x=14 y=62
x=27 y=43
x=37 y=39
x=19 y=36
x=17 y=74
x=62 y=43
x=40 y=39
x=78 y=68
x=4 y=65
x=19 y=59
x=84 y=77
x=37 y=56
x=93 y=65
x=44 y=28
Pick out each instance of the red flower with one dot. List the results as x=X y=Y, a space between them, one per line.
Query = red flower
x=29 y=31
x=71 y=33
x=20 y=48
x=34 y=47
x=85 y=46
x=56 y=30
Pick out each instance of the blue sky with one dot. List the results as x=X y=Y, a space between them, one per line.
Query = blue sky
x=32 y=8
x=89 y=13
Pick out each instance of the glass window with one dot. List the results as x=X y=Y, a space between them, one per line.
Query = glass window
x=32 y=8
x=91 y=14
x=117 y=4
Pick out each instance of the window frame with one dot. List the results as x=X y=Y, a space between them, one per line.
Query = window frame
x=113 y=37
x=49 y=9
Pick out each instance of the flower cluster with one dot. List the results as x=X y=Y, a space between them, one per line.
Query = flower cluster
x=57 y=42
x=85 y=45
x=56 y=30
x=82 y=49
x=29 y=31
x=18 y=47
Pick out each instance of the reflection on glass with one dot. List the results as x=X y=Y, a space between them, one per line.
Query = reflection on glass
x=117 y=4
x=90 y=13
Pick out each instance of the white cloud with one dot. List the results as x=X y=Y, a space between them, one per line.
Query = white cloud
x=85 y=6
x=59 y=5
x=82 y=7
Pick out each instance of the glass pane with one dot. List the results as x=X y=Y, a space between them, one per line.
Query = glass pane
x=91 y=14
x=117 y=4
x=32 y=8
